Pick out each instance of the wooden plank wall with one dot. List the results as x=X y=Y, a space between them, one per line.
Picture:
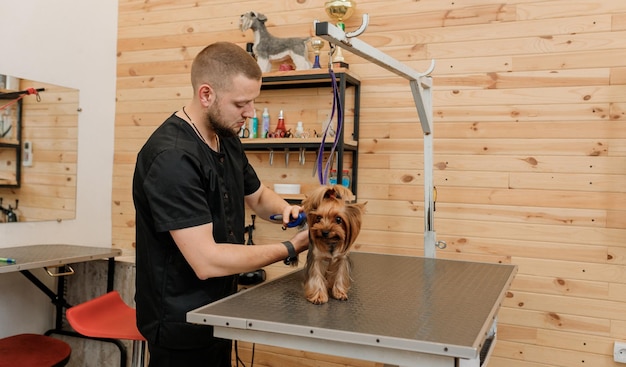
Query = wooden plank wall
x=530 y=147
x=50 y=123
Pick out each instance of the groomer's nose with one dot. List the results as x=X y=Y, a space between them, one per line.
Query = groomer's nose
x=248 y=111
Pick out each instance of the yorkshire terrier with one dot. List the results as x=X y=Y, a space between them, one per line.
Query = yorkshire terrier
x=334 y=222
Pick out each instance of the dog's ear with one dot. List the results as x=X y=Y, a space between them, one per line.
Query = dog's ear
x=313 y=200
x=260 y=17
x=354 y=217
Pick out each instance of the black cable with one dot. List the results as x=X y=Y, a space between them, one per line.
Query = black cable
x=252 y=359
x=238 y=359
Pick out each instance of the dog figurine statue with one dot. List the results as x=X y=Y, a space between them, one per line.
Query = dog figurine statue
x=334 y=222
x=268 y=48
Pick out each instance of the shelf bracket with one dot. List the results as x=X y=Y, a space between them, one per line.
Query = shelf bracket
x=421 y=88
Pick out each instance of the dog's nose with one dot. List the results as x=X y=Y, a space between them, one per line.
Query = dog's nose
x=325 y=234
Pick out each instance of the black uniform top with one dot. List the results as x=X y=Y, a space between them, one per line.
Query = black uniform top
x=180 y=182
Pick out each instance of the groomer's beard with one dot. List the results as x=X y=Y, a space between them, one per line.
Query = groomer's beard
x=215 y=120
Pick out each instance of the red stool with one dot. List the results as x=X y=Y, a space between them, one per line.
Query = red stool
x=33 y=350
x=109 y=317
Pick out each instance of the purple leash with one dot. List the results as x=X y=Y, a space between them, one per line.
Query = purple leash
x=323 y=173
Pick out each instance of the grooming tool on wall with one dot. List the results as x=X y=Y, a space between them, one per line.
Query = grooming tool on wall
x=301 y=158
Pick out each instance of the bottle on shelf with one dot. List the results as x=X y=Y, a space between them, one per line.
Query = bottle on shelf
x=265 y=119
x=345 y=178
x=254 y=123
x=280 y=126
x=299 y=130
x=332 y=178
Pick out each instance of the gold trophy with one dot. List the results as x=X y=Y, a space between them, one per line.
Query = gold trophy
x=340 y=10
x=317 y=45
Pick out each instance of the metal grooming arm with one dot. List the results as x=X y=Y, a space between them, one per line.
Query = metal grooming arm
x=421 y=87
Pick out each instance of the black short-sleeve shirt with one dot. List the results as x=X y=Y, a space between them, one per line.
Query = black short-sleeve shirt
x=180 y=182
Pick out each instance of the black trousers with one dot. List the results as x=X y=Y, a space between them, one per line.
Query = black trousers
x=217 y=355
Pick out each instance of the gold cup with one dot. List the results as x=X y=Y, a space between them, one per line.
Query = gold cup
x=340 y=10
x=317 y=44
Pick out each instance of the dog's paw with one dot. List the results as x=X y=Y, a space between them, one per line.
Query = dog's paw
x=317 y=297
x=320 y=299
x=340 y=295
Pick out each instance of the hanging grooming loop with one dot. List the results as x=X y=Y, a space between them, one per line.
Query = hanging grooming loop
x=365 y=20
x=421 y=88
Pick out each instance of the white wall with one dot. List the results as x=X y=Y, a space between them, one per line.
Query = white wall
x=70 y=43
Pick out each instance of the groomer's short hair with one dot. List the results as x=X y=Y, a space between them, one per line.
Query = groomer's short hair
x=218 y=63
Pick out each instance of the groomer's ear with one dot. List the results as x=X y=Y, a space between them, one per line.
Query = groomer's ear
x=206 y=94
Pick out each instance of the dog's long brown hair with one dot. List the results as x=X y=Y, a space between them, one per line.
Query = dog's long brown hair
x=334 y=221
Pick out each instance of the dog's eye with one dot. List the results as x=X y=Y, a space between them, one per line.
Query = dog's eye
x=318 y=219
x=338 y=220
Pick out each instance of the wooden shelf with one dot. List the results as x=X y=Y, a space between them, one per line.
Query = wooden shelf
x=293 y=198
x=284 y=78
x=293 y=143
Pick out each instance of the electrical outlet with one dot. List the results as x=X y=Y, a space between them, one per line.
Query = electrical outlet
x=27 y=157
x=619 y=352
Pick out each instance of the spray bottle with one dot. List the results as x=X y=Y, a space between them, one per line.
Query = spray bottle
x=266 y=123
x=254 y=123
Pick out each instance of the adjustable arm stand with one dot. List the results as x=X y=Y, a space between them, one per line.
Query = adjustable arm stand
x=421 y=87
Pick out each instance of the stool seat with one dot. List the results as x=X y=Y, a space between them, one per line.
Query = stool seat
x=33 y=350
x=106 y=316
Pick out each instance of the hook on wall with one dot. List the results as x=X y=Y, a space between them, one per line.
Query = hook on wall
x=9 y=212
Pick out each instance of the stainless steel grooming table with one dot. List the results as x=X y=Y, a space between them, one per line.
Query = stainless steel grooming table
x=53 y=255
x=407 y=311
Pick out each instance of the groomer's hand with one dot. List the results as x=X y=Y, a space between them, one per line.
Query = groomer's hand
x=301 y=241
x=290 y=212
